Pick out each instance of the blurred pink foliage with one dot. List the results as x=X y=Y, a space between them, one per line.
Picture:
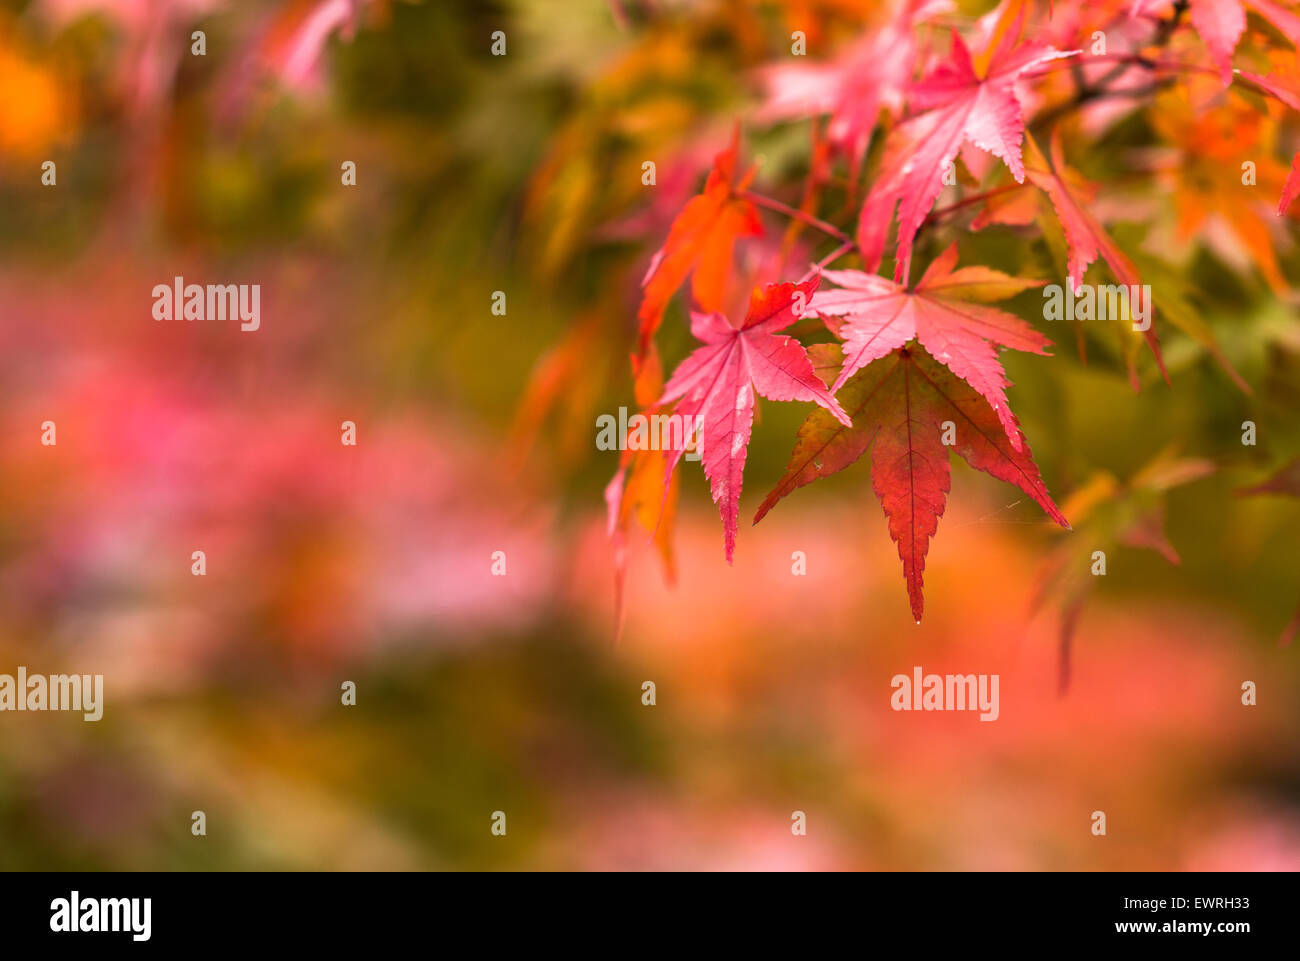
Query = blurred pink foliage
x=172 y=438
x=1153 y=714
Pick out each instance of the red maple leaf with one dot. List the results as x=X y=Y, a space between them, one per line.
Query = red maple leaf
x=1291 y=187
x=942 y=312
x=700 y=243
x=1084 y=235
x=961 y=106
x=715 y=388
x=1284 y=85
x=904 y=407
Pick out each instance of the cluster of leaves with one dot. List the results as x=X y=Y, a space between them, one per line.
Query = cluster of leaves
x=922 y=99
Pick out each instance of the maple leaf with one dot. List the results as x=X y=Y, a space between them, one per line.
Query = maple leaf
x=294 y=46
x=1018 y=207
x=700 y=243
x=716 y=384
x=564 y=384
x=942 y=312
x=1221 y=23
x=872 y=75
x=1206 y=182
x=1084 y=235
x=1283 y=83
x=899 y=406
x=1286 y=22
x=960 y=106
x=634 y=493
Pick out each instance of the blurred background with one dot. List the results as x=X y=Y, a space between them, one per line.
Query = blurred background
x=372 y=563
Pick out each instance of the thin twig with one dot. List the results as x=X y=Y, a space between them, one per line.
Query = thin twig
x=799 y=215
x=1100 y=90
x=972 y=199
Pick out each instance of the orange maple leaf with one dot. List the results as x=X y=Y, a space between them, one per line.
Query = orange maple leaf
x=700 y=243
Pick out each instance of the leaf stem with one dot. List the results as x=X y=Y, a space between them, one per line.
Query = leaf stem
x=973 y=199
x=830 y=258
x=799 y=215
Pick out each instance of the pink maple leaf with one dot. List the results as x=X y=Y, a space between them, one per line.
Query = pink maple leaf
x=872 y=75
x=960 y=107
x=943 y=313
x=1220 y=24
x=715 y=388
